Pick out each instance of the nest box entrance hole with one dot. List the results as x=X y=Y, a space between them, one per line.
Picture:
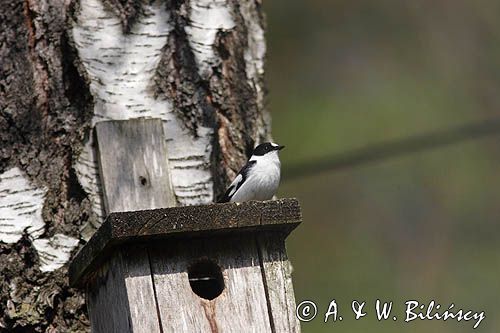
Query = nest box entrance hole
x=205 y=279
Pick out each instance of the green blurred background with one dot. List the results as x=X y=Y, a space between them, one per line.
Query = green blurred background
x=348 y=74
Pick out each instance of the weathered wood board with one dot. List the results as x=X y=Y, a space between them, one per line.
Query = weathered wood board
x=135 y=175
x=120 y=296
x=242 y=306
x=277 y=274
x=133 y=165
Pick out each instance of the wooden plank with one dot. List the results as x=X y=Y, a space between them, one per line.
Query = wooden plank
x=134 y=173
x=242 y=306
x=133 y=165
x=212 y=218
x=120 y=295
x=183 y=222
x=277 y=274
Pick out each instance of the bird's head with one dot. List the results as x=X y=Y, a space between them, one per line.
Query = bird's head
x=266 y=149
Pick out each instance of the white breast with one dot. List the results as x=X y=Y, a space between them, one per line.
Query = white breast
x=263 y=180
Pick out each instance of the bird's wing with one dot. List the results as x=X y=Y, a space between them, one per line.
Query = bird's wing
x=237 y=182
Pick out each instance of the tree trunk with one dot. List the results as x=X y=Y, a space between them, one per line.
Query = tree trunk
x=66 y=65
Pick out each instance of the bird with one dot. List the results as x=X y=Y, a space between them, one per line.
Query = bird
x=259 y=178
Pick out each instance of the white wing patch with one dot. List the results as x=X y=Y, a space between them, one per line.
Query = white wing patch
x=235 y=184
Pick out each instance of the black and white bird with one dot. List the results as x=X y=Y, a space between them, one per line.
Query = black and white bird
x=259 y=178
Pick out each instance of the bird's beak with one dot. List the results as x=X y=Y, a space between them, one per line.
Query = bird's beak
x=280 y=147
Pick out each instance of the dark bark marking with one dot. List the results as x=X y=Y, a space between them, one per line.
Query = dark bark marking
x=237 y=106
x=224 y=101
x=177 y=75
x=128 y=11
x=32 y=301
x=44 y=110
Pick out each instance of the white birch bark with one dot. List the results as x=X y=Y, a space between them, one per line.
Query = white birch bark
x=21 y=206
x=121 y=68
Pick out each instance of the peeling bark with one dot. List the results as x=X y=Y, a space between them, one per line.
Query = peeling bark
x=196 y=64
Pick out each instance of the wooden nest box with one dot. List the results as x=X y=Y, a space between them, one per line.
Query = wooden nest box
x=209 y=268
x=213 y=268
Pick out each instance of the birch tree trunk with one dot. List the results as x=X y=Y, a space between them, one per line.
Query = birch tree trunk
x=66 y=65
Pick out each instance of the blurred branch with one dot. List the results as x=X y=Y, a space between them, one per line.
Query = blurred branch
x=392 y=149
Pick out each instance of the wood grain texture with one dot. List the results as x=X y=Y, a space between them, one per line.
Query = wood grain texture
x=184 y=222
x=120 y=295
x=242 y=306
x=135 y=175
x=277 y=275
x=133 y=165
